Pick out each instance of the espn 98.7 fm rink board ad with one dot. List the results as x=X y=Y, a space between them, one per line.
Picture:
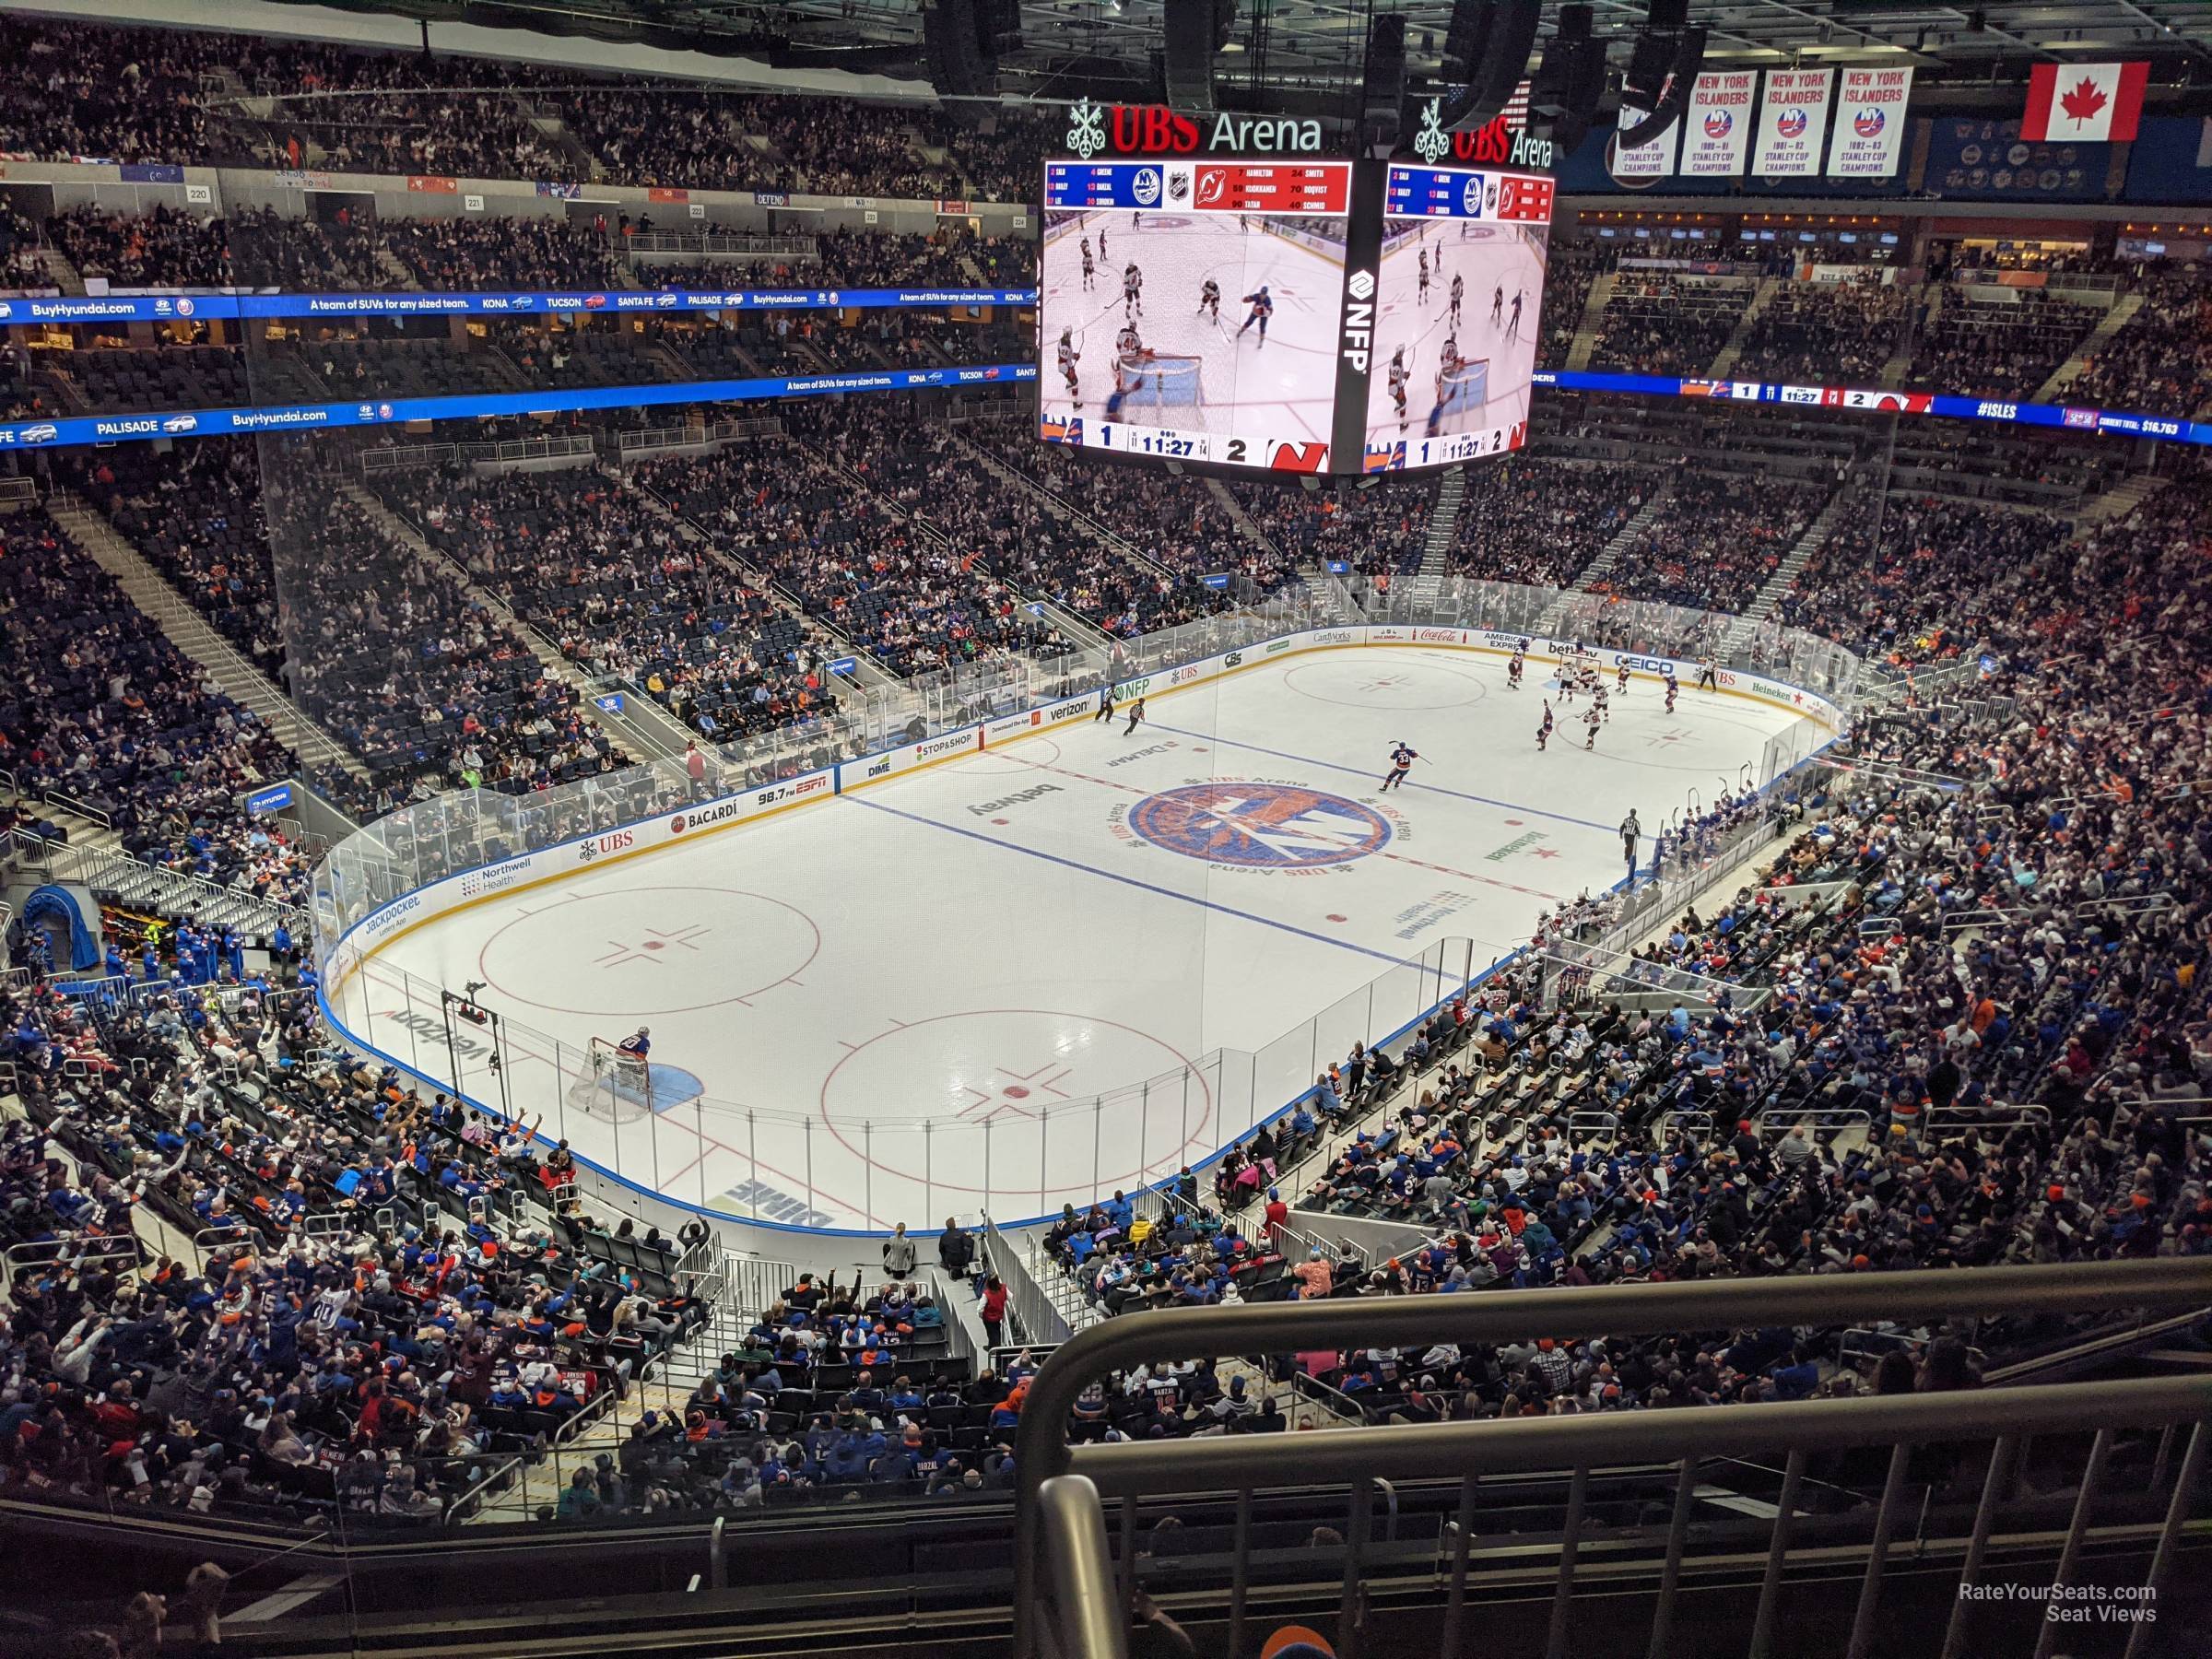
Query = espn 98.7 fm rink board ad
x=1189 y=309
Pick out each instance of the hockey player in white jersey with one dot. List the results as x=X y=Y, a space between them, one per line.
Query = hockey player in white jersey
x=1133 y=290
x=1069 y=357
x=1130 y=358
x=1423 y=256
x=1090 y=270
x=1209 y=299
x=1399 y=376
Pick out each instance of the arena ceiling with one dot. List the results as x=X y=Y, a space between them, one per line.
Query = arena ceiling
x=1071 y=46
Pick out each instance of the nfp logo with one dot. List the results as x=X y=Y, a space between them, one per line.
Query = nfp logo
x=1259 y=826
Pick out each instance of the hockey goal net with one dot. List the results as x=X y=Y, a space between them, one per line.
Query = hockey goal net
x=614 y=1085
x=1167 y=382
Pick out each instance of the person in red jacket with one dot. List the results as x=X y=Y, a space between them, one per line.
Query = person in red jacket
x=1276 y=1214
x=994 y=1308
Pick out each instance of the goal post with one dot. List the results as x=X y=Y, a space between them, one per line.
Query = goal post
x=1464 y=388
x=614 y=1085
x=1170 y=382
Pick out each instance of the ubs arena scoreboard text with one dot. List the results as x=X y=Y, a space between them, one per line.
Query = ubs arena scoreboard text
x=1250 y=384
x=1458 y=302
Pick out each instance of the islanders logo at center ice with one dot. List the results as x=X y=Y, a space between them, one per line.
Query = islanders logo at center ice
x=1259 y=826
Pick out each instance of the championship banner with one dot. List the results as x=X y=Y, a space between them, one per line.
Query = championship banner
x=1792 y=123
x=1870 y=123
x=1652 y=160
x=1717 y=131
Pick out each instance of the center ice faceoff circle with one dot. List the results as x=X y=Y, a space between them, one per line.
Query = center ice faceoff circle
x=1259 y=826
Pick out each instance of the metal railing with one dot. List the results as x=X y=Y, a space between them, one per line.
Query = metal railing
x=1036 y=1320
x=1061 y=1484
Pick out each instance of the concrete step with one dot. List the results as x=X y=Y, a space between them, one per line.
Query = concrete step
x=1585 y=336
x=195 y=636
x=1246 y=526
x=1801 y=553
x=2120 y=501
x=2122 y=310
x=1761 y=297
x=63 y=273
x=1908 y=339
x=394 y=271
x=625 y=732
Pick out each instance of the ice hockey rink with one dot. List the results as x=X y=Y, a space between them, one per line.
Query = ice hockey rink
x=1499 y=264
x=1076 y=963
x=1282 y=389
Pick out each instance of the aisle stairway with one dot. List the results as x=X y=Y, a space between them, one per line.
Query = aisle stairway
x=2120 y=501
x=1761 y=297
x=1585 y=336
x=1242 y=520
x=1607 y=556
x=643 y=727
x=2117 y=318
x=192 y=633
x=1908 y=339
x=1801 y=552
x=1427 y=584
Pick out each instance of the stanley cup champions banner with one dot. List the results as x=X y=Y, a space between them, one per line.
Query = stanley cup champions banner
x=1792 y=123
x=1870 y=123
x=1717 y=131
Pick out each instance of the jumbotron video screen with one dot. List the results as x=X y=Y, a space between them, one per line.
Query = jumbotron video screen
x=1457 y=314
x=1188 y=310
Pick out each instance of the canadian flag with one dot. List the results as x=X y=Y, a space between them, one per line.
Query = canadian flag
x=2084 y=103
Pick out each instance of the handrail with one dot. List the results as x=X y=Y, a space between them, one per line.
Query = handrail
x=1040 y=1448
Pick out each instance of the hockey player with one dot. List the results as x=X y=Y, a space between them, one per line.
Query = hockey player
x=1399 y=375
x=1069 y=357
x=1592 y=720
x=1101 y=244
x=1512 y=324
x=1136 y=218
x=1447 y=364
x=1090 y=270
x=1423 y=257
x=1674 y=689
x=1401 y=762
x=1516 y=665
x=1498 y=305
x=1133 y=289
x=1209 y=301
x=1597 y=699
x=1263 y=308
x=1459 y=292
x=637 y=1045
x=1544 y=731
x=1623 y=678
x=1129 y=359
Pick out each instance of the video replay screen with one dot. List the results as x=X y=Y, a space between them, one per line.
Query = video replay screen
x=1458 y=314
x=1188 y=310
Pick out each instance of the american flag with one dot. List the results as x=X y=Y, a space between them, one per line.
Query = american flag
x=1516 y=109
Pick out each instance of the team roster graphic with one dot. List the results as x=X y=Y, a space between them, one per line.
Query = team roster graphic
x=1188 y=310
x=1457 y=311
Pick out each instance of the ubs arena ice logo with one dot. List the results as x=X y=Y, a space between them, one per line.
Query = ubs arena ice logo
x=1259 y=826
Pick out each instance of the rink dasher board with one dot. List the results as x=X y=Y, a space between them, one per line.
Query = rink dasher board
x=487 y=883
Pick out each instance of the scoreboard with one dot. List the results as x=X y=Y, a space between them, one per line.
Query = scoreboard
x=1452 y=193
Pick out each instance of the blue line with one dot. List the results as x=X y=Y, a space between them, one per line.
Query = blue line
x=1361 y=772
x=992 y=840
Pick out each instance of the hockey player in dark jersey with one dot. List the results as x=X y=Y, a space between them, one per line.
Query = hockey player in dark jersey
x=1263 y=308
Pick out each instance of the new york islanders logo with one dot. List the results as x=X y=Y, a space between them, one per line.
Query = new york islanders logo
x=1792 y=123
x=1868 y=123
x=1719 y=124
x=1259 y=826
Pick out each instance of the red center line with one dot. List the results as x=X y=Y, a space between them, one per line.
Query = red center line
x=1398 y=858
